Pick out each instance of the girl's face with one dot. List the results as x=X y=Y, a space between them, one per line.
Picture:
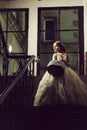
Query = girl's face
x=56 y=48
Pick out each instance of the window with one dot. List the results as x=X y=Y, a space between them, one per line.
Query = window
x=65 y=24
x=14 y=23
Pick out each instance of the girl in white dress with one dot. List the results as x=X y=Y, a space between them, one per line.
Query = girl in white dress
x=60 y=84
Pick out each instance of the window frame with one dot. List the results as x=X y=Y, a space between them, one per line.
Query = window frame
x=81 y=33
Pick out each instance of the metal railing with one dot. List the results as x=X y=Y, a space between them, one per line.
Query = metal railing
x=30 y=72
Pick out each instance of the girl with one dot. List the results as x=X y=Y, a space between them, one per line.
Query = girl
x=60 y=84
x=60 y=53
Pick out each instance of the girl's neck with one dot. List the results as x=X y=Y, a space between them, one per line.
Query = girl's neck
x=59 y=52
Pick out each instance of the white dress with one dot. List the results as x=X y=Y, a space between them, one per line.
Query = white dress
x=67 y=89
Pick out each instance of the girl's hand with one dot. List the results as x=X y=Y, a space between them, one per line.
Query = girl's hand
x=36 y=59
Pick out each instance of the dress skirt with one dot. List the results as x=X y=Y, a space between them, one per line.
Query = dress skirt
x=65 y=89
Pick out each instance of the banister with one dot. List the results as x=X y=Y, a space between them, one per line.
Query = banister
x=7 y=90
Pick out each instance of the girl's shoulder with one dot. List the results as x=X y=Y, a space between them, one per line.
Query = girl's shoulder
x=65 y=54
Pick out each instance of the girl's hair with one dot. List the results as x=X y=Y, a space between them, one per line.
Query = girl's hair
x=61 y=45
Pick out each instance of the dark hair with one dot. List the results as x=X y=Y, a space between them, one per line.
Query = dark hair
x=61 y=45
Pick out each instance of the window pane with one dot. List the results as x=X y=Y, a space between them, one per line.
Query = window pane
x=16 y=21
x=44 y=60
x=72 y=47
x=48 y=14
x=46 y=47
x=74 y=61
x=68 y=19
x=69 y=36
x=17 y=41
x=49 y=36
x=13 y=66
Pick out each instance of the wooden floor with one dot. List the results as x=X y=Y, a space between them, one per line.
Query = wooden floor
x=58 y=118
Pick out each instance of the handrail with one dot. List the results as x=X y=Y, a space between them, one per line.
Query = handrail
x=7 y=90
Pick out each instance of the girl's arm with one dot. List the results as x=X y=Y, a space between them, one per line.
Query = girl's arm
x=65 y=59
x=54 y=57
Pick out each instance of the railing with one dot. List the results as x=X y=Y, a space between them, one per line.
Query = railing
x=29 y=68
